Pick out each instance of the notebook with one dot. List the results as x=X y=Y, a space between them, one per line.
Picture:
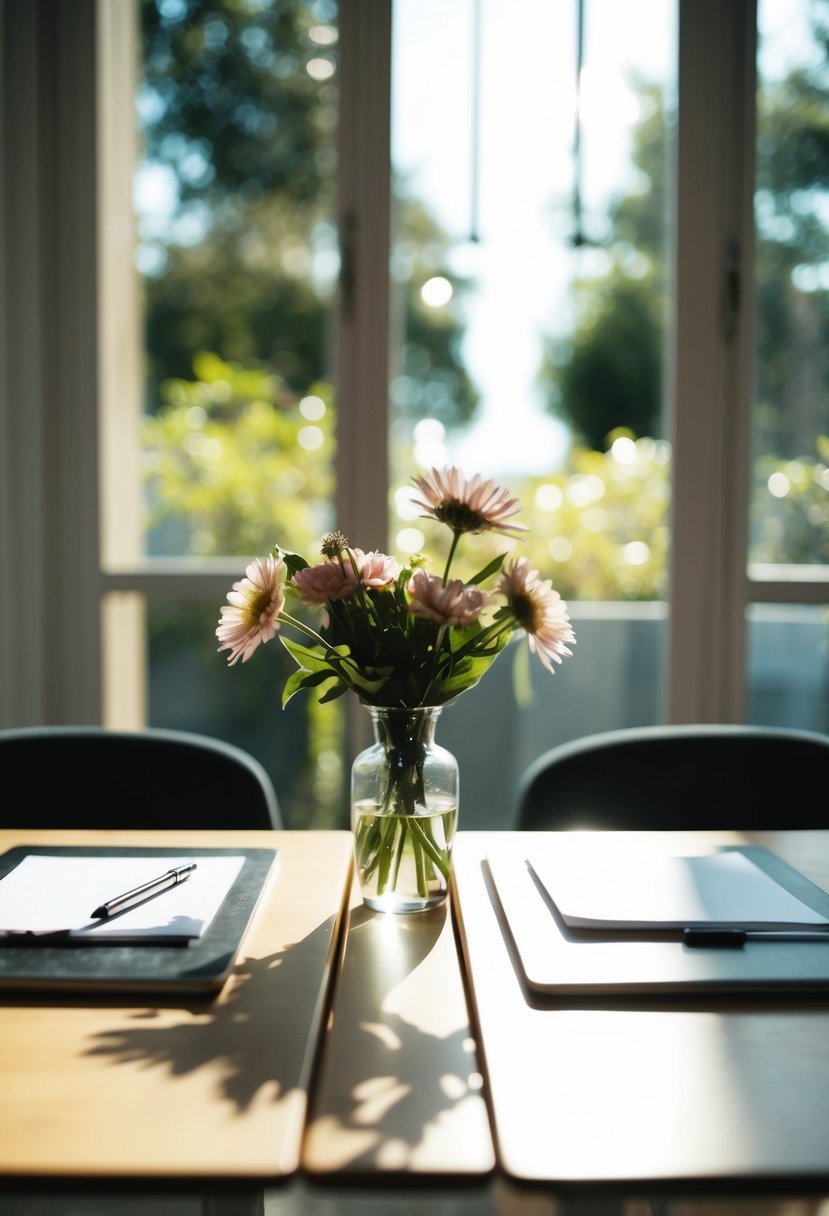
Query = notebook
x=155 y=955
x=556 y=961
x=716 y=890
x=53 y=893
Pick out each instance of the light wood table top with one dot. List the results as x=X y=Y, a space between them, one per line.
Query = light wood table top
x=196 y=1090
x=628 y=1095
x=653 y=1094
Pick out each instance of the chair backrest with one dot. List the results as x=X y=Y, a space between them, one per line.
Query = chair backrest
x=680 y=777
x=91 y=777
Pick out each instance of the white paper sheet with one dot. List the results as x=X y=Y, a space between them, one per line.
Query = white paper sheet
x=722 y=889
x=47 y=893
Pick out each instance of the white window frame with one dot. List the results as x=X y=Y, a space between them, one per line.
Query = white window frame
x=65 y=340
x=711 y=387
x=710 y=390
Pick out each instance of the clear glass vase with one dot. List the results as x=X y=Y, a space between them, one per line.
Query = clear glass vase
x=404 y=811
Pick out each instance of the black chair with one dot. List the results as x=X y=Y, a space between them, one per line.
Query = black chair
x=91 y=777
x=680 y=777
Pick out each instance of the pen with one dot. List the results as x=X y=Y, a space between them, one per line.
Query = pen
x=120 y=903
x=735 y=939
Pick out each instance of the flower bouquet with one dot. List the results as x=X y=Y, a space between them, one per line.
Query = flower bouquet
x=405 y=640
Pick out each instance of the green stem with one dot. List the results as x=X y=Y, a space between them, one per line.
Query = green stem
x=435 y=661
x=401 y=844
x=396 y=845
x=428 y=845
x=361 y=594
x=388 y=832
x=455 y=538
x=306 y=629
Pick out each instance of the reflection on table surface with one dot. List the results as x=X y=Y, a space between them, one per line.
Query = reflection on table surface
x=652 y=1093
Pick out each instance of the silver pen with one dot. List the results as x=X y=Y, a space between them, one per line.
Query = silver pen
x=120 y=903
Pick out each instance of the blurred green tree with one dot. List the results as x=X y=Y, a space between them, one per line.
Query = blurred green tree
x=607 y=372
x=238 y=106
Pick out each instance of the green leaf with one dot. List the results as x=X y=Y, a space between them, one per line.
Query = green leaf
x=302 y=679
x=491 y=568
x=468 y=670
x=367 y=683
x=314 y=668
x=338 y=664
x=312 y=658
x=293 y=561
x=336 y=690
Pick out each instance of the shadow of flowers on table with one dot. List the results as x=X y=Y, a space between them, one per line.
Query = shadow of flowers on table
x=254 y=1034
x=395 y=1086
x=399 y=1084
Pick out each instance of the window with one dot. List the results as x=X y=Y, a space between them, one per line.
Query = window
x=716 y=609
x=786 y=619
x=531 y=165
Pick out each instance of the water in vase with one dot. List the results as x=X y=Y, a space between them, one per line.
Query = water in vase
x=403 y=861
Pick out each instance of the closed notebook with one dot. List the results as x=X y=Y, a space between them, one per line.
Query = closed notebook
x=652 y=892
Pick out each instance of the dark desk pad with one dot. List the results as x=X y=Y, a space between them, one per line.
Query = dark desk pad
x=200 y=966
x=553 y=962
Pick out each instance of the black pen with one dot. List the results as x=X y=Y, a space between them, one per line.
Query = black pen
x=735 y=939
x=137 y=895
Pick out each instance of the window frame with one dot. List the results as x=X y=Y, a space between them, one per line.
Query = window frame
x=710 y=390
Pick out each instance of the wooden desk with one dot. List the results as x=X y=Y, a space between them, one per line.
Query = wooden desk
x=656 y=1095
x=213 y=1095
x=202 y=1092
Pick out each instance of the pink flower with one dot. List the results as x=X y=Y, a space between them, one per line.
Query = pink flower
x=376 y=569
x=334 y=580
x=453 y=604
x=251 y=614
x=467 y=504
x=539 y=610
x=391 y=632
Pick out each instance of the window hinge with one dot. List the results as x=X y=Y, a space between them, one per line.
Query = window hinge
x=348 y=240
x=731 y=309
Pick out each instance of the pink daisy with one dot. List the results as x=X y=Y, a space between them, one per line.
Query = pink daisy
x=334 y=580
x=467 y=504
x=539 y=610
x=453 y=604
x=251 y=614
x=376 y=569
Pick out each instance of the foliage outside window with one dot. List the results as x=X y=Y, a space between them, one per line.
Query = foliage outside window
x=238 y=106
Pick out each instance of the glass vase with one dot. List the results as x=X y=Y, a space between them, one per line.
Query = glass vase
x=404 y=811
